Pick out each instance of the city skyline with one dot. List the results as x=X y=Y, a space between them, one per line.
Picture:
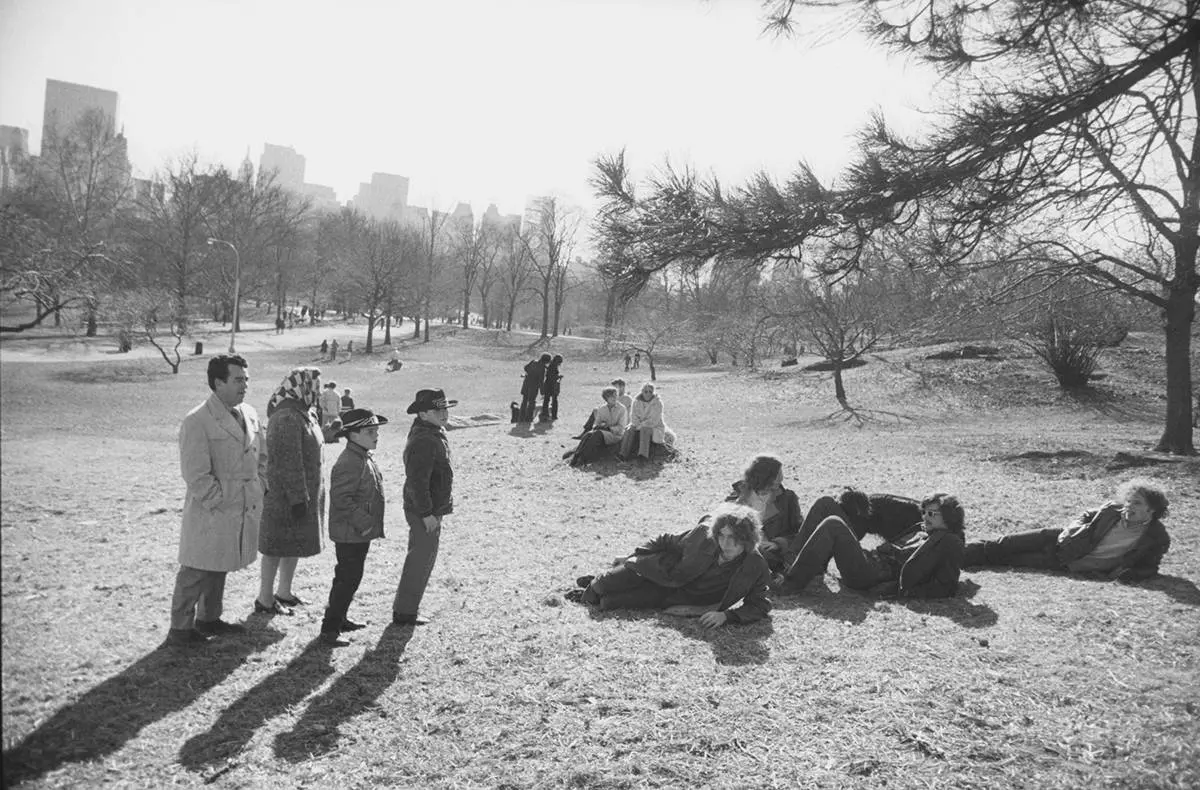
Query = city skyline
x=514 y=101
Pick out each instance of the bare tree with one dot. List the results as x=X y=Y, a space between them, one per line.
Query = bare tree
x=156 y=316
x=1074 y=138
x=74 y=200
x=549 y=245
x=516 y=271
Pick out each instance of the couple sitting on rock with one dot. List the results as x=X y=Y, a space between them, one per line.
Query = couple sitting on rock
x=730 y=555
x=612 y=424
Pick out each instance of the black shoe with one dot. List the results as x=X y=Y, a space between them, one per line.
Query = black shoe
x=295 y=600
x=574 y=596
x=332 y=639
x=350 y=625
x=219 y=626
x=186 y=637
x=568 y=454
x=275 y=608
x=409 y=619
x=584 y=581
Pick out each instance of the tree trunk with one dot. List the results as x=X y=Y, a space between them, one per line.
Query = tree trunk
x=1181 y=312
x=416 y=327
x=653 y=371
x=466 y=313
x=545 y=312
x=839 y=388
x=370 y=332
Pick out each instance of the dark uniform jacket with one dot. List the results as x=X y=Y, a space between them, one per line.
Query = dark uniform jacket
x=428 y=478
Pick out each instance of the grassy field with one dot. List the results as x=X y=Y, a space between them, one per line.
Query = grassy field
x=1024 y=680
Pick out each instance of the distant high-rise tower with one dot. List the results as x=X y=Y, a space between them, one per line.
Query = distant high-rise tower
x=386 y=197
x=14 y=145
x=287 y=165
x=66 y=103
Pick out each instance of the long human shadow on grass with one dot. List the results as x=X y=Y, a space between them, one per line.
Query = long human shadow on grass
x=108 y=716
x=732 y=645
x=215 y=749
x=853 y=606
x=1180 y=589
x=528 y=430
x=316 y=733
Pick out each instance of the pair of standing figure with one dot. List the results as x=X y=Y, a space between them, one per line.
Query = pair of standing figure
x=541 y=376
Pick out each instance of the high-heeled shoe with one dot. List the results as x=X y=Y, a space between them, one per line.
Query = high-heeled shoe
x=295 y=600
x=275 y=608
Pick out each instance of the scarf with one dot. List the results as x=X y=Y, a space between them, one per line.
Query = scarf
x=299 y=385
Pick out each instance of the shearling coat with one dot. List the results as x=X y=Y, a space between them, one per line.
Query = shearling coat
x=225 y=469
x=648 y=416
x=355 y=497
x=295 y=443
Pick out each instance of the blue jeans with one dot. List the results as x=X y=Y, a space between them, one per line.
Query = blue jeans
x=418 y=566
x=351 y=558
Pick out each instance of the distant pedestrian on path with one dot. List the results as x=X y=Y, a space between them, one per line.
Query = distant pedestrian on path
x=333 y=349
x=637 y=360
x=428 y=498
x=550 y=389
x=324 y=346
x=347 y=401
x=279 y=326
x=330 y=403
x=223 y=457
x=628 y=361
x=356 y=507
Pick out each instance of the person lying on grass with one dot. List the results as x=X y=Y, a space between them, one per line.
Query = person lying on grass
x=703 y=571
x=923 y=563
x=1123 y=540
x=761 y=487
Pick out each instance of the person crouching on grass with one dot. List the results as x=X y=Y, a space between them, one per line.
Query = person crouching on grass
x=355 y=517
x=1123 y=540
x=703 y=571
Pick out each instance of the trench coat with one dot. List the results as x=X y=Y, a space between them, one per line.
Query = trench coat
x=225 y=469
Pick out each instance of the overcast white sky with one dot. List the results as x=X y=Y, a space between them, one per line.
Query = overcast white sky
x=483 y=101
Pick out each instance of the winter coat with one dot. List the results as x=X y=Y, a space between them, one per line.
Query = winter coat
x=614 y=420
x=535 y=374
x=355 y=497
x=225 y=469
x=1085 y=533
x=924 y=564
x=295 y=444
x=648 y=416
x=428 y=477
x=785 y=521
x=551 y=384
x=331 y=406
x=675 y=560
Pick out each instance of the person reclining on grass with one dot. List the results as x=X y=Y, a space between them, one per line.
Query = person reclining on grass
x=887 y=515
x=702 y=572
x=780 y=511
x=1124 y=540
x=923 y=563
x=608 y=421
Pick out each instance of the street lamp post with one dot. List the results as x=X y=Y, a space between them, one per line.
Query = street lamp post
x=237 y=284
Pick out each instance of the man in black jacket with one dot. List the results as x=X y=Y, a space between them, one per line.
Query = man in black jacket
x=428 y=485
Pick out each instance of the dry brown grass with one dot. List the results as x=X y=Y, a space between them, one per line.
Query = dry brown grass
x=1024 y=680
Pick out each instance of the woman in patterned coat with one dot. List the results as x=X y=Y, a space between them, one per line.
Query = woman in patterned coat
x=294 y=506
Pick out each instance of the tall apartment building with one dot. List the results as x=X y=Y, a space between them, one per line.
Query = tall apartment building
x=66 y=103
x=385 y=197
x=287 y=165
x=14 y=146
x=494 y=219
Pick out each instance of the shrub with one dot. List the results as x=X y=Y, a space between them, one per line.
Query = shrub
x=1069 y=348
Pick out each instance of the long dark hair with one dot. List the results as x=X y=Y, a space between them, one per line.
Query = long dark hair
x=761 y=474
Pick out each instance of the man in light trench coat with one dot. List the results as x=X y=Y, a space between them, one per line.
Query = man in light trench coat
x=223 y=455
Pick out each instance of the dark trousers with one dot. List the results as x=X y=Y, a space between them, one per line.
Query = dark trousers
x=591 y=447
x=199 y=595
x=528 y=406
x=351 y=558
x=621 y=588
x=1037 y=548
x=834 y=539
x=418 y=566
x=821 y=509
x=549 y=407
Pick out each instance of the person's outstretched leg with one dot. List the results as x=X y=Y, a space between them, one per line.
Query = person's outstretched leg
x=1036 y=548
x=821 y=509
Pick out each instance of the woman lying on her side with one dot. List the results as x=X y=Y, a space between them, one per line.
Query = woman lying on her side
x=703 y=571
